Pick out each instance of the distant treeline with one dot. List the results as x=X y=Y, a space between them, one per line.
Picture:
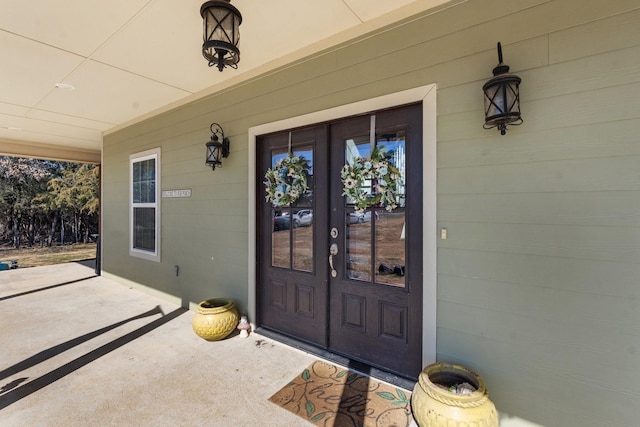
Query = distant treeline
x=43 y=202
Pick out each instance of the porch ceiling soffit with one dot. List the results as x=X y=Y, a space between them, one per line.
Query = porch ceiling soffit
x=132 y=59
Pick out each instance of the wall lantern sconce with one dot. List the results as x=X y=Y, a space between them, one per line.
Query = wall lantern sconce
x=221 y=34
x=217 y=147
x=502 y=98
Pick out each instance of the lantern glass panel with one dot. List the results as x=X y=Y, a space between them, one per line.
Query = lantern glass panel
x=493 y=101
x=213 y=153
x=222 y=24
x=511 y=90
x=502 y=104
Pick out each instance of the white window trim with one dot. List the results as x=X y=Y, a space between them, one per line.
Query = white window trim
x=134 y=158
x=427 y=96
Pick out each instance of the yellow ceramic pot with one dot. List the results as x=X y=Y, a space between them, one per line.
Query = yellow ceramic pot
x=215 y=319
x=434 y=405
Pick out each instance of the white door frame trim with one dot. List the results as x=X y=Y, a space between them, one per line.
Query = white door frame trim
x=426 y=95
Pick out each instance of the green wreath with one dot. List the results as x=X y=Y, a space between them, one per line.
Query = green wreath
x=287 y=181
x=378 y=170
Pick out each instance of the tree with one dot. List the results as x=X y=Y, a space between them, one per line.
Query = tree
x=38 y=198
x=21 y=180
x=76 y=195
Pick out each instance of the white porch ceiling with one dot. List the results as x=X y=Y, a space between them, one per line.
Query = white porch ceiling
x=127 y=59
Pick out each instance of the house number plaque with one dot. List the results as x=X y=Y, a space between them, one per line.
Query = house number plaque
x=176 y=193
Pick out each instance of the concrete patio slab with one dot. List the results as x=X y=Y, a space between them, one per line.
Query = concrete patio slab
x=79 y=350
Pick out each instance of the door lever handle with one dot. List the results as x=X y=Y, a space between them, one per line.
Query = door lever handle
x=333 y=250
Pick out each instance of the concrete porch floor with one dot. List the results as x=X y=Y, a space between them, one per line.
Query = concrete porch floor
x=78 y=350
x=81 y=350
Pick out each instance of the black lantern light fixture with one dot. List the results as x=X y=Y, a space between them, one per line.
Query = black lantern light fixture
x=217 y=147
x=221 y=34
x=502 y=98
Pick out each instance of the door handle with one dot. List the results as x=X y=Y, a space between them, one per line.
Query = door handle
x=333 y=250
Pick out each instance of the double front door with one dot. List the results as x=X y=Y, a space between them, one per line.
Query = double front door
x=341 y=279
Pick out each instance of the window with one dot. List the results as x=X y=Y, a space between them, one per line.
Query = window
x=144 y=214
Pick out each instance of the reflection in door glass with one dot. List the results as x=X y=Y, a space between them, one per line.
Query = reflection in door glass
x=390 y=226
x=394 y=142
x=358 y=247
x=307 y=198
x=280 y=240
x=303 y=240
x=390 y=247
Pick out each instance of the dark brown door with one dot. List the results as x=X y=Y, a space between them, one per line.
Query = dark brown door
x=365 y=301
x=376 y=297
x=292 y=282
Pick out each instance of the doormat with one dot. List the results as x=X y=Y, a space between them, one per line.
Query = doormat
x=331 y=396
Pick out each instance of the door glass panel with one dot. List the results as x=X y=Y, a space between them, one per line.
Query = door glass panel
x=303 y=240
x=390 y=226
x=390 y=247
x=395 y=143
x=302 y=219
x=306 y=152
x=292 y=236
x=375 y=242
x=358 y=247
x=358 y=225
x=280 y=240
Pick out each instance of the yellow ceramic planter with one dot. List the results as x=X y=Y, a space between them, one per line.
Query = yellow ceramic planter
x=434 y=405
x=215 y=319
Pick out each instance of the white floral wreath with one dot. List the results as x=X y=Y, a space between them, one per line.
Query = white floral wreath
x=287 y=181
x=378 y=170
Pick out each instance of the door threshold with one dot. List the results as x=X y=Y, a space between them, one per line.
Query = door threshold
x=353 y=365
